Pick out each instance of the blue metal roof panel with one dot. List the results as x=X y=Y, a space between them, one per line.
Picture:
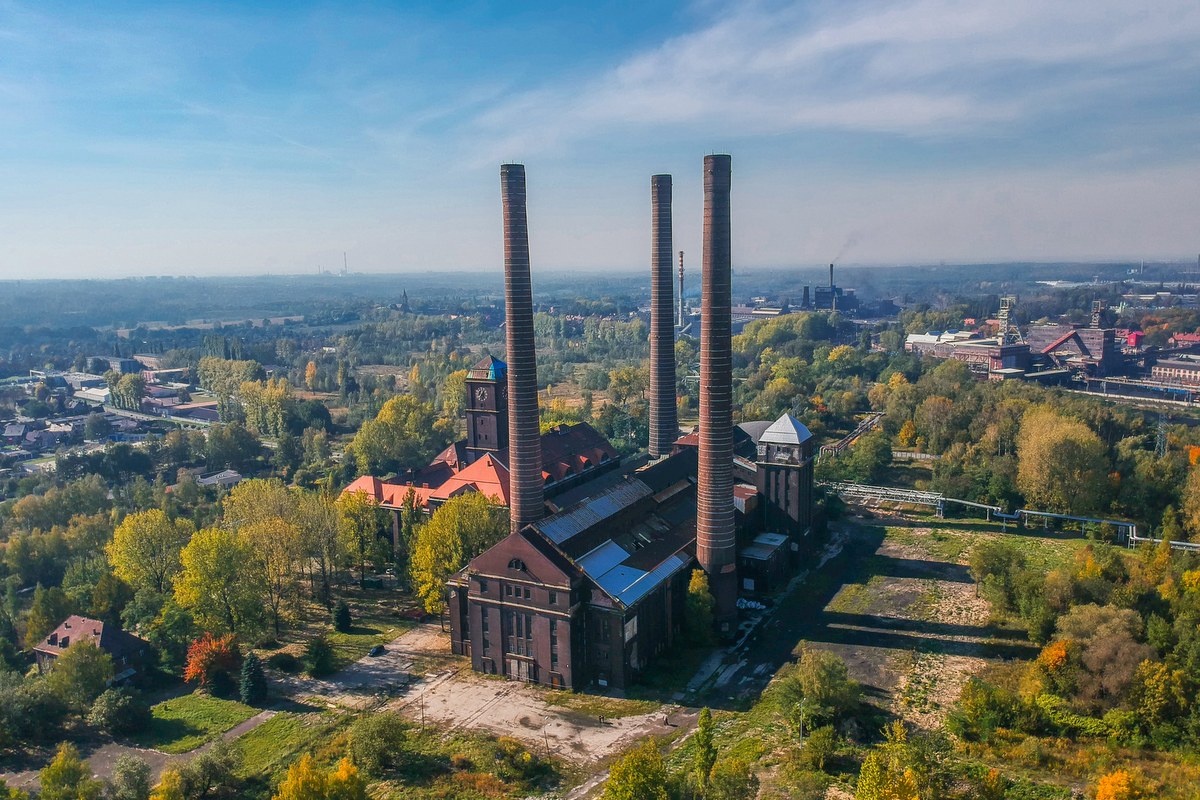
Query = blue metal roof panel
x=604 y=558
x=565 y=524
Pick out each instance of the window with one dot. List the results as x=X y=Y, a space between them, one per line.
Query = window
x=553 y=599
x=483 y=586
x=528 y=593
x=517 y=564
x=508 y=590
x=553 y=644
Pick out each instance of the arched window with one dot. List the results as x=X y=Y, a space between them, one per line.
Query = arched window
x=517 y=564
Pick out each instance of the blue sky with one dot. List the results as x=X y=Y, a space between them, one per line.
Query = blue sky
x=208 y=138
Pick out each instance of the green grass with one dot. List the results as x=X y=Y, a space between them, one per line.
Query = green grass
x=591 y=705
x=269 y=749
x=182 y=724
x=366 y=632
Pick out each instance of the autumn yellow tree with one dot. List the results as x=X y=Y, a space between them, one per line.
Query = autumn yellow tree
x=144 y=551
x=276 y=548
x=461 y=529
x=220 y=582
x=1061 y=463
x=1191 y=504
x=310 y=375
x=361 y=521
x=170 y=786
x=306 y=781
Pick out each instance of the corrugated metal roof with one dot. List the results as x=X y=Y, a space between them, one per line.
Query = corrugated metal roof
x=565 y=524
x=602 y=559
x=648 y=581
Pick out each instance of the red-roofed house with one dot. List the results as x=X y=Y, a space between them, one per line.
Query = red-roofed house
x=127 y=650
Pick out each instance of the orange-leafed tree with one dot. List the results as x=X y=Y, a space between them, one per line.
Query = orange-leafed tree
x=209 y=656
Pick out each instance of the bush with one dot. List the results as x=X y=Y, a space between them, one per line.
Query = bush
x=284 y=662
x=819 y=747
x=130 y=779
x=318 y=656
x=377 y=743
x=119 y=711
x=341 y=617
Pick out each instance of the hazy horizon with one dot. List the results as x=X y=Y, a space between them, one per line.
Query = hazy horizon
x=149 y=140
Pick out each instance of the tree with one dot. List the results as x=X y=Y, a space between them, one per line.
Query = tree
x=144 y=551
x=67 y=777
x=819 y=746
x=377 y=743
x=220 y=583
x=821 y=681
x=259 y=500
x=96 y=427
x=212 y=773
x=310 y=375
x=321 y=539
x=130 y=779
x=318 y=655
x=341 y=617
x=118 y=711
x=461 y=529
x=706 y=750
x=640 y=775
x=732 y=779
x=252 y=689
x=361 y=520
x=1062 y=465
x=306 y=781
x=80 y=674
x=698 y=619
x=50 y=607
x=406 y=432
x=231 y=446
x=1191 y=503
x=210 y=656
x=170 y=786
x=276 y=547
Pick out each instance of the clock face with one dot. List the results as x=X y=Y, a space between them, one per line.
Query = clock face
x=481 y=394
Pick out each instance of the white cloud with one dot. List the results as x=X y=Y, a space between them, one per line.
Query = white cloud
x=921 y=67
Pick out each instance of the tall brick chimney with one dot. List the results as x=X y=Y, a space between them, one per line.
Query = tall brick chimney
x=664 y=421
x=715 y=542
x=526 y=502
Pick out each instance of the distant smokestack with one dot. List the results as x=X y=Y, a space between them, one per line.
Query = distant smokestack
x=832 y=293
x=715 y=543
x=804 y=302
x=664 y=423
x=526 y=502
x=681 y=289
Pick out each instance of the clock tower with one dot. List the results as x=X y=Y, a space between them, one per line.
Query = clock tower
x=487 y=408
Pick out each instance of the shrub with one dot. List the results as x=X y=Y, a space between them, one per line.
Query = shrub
x=819 y=747
x=318 y=656
x=341 y=617
x=119 y=711
x=130 y=779
x=284 y=662
x=377 y=743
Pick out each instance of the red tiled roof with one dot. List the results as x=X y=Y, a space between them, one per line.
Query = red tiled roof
x=487 y=476
x=74 y=628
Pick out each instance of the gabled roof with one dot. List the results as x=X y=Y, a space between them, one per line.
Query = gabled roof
x=388 y=495
x=487 y=475
x=74 y=628
x=785 y=430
